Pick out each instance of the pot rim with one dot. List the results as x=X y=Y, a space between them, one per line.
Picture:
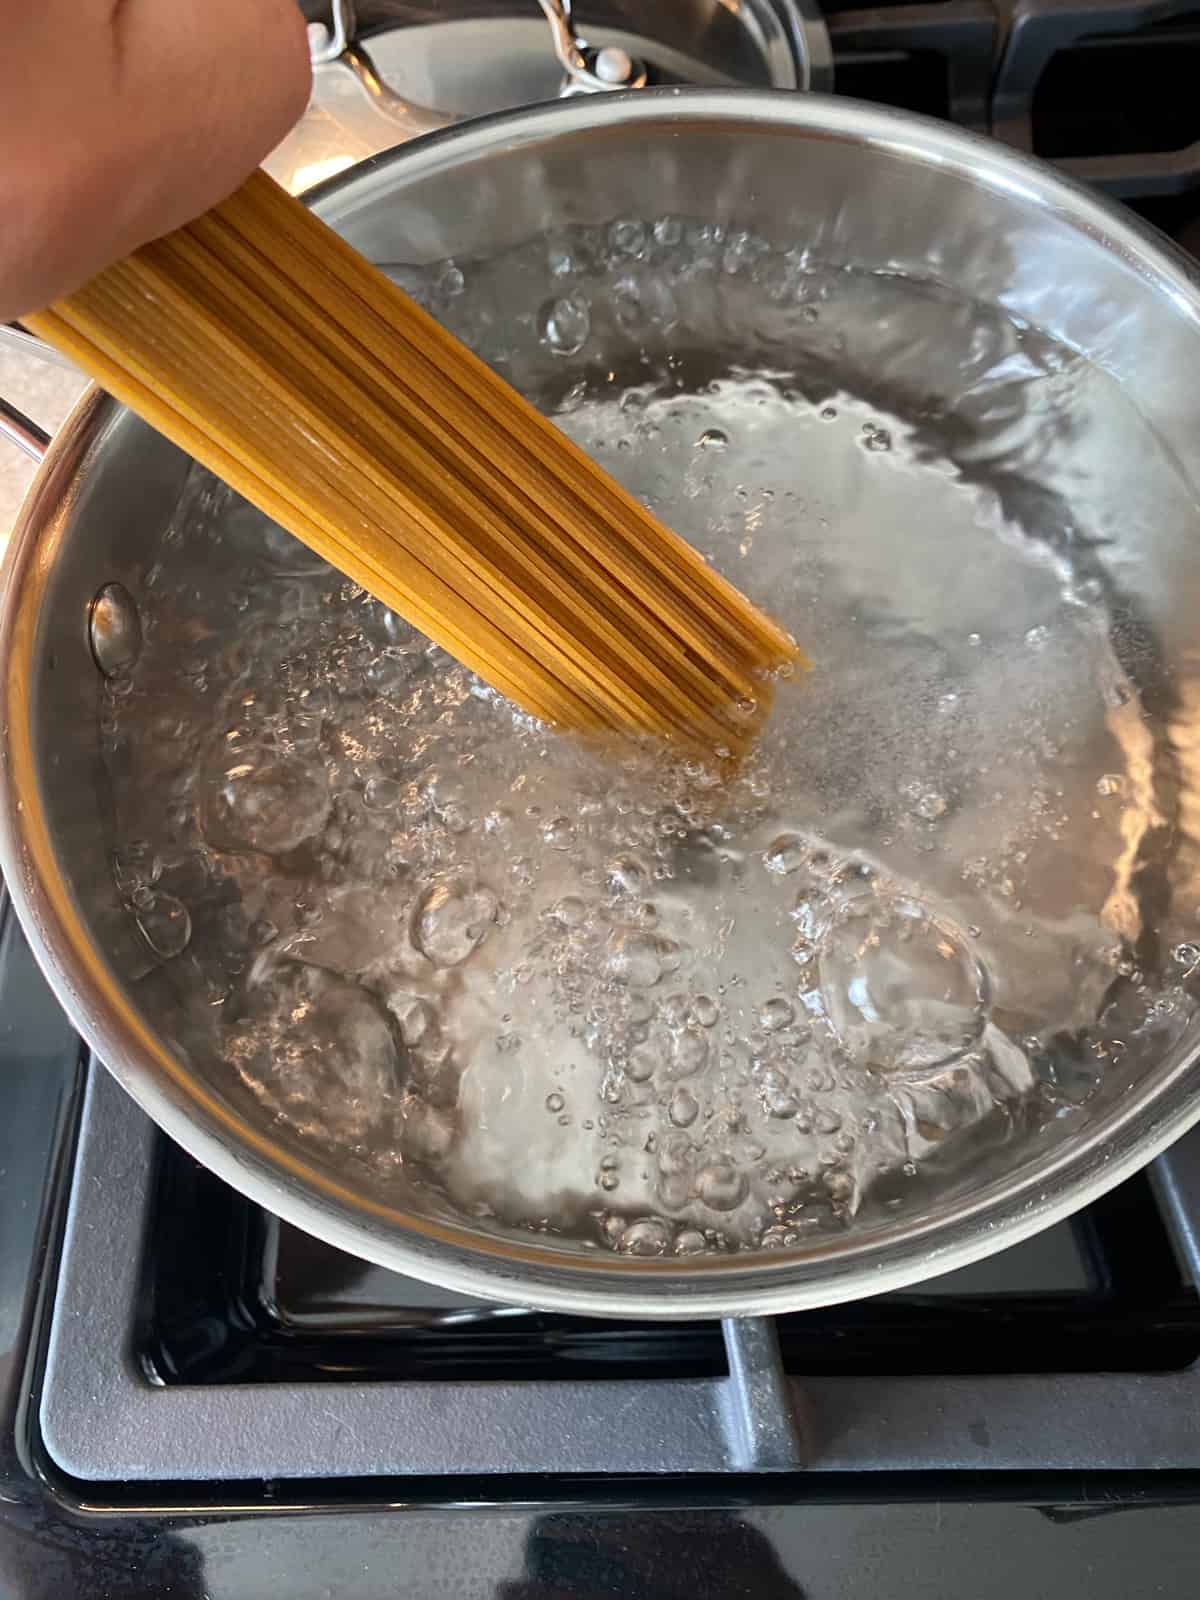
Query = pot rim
x=1135 y=1130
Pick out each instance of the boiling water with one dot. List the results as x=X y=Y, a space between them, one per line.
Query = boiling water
x=599 y=993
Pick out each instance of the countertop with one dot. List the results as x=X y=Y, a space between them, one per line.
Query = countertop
x=45 y=394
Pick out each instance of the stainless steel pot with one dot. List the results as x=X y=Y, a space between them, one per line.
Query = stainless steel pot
x=861 y=185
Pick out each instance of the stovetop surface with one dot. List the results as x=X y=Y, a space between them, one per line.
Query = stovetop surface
x=1084 y=1480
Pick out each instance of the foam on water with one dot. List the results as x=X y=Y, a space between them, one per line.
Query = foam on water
x=601 y=993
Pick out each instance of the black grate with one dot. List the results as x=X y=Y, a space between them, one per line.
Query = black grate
x=936 y=59
x=1104 y=88
x=231 y=1296
x=1119 y=96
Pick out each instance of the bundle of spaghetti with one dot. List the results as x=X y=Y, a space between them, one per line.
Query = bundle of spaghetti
x=272 y=352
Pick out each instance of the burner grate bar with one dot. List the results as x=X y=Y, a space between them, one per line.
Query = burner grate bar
x=765 y=1419
x=1176 y=1180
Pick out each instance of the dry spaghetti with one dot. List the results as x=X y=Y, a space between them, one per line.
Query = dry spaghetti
x=272 y=352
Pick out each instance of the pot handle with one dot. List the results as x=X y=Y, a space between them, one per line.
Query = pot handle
x=14 y=424
x=22 y=430
x=338 y=41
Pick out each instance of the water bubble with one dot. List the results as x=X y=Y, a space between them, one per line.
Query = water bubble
x=777 y=1237
x=134 y=866
x=930 y=806
x=379 y=623
x=879 y=439
x=559 y=834
x=840 y=1187
x=785 y=854
x=570 y=911
x=628 y=237
x=627 y=874
x=643 y=1062
x=901 y=989
x=712 y=439
x=391 y=672
x=676 y=1010
x=683 y=1109
x=565 y=324
x=828 y=413
x=721 y=1187
x=559 y=259
x=655 y=308
x=452 y=920
x=779 y=1098
x=268 y=805
x=166 y=925
x=674 y=1154
x=634 y=958
x=640 y=1008
x=689 y=1052
x=555 y=1102
x=613 y=1227
x=382 y=794
x=670 y=955
x=704 y=1011
x=690 y=1242
x=286 y=555
x=775 y=1014
x=310 y=1040
x=649 y=1236
x=314 y=702
x=742 y=252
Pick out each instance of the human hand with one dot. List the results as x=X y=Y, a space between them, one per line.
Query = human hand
x=123 y=119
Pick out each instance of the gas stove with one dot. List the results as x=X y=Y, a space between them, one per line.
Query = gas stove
x=196 y=1400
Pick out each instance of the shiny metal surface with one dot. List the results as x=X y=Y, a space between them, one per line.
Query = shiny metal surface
x=114 y=630
x=22 y=430
x=340 y=45
x=907 y=195
x=597 y=72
